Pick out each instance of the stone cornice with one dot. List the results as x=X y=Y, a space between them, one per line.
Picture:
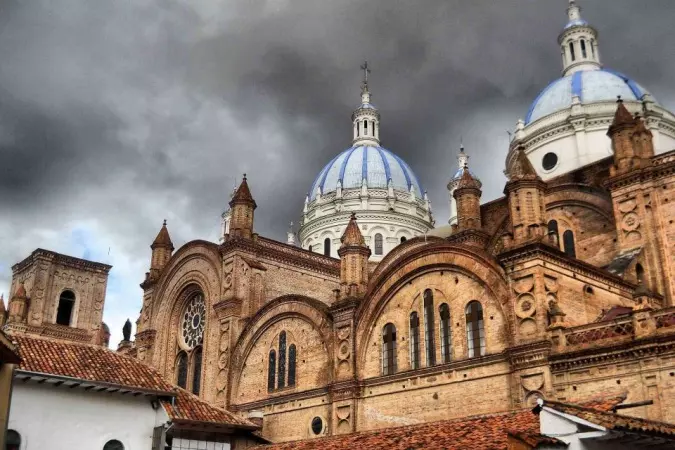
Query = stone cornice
x=279 y=399
x=627 y=351
x=662 y=165
x=145 y=338
x=478 y=238
x=464 y=364
x=50 y=330
x=58 y=258
x=529 y=355
x=538 y=250
x=264 y=248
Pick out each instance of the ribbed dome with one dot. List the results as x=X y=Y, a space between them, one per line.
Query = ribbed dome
x=589 y=85
x=376 y=165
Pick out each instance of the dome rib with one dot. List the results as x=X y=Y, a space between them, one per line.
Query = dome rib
x=589 y=85
x=375 y=164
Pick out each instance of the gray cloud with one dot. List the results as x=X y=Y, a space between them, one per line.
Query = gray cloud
x=114 y=116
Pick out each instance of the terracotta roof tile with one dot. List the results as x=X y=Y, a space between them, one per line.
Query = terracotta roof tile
x=99 y=364
x=189 y=407
x=86 y=362
x=476 y=433
x=613 y=421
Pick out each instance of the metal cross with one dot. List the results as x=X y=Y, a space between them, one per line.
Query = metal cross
x=366 y=71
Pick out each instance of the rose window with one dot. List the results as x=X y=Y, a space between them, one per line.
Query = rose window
x=193 y=322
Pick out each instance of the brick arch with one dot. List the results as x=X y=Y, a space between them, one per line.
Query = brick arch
x=435 y=257
x=307 y=309
x=581 y=196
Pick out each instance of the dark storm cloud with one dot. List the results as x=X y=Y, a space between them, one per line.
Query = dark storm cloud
x=116 y=115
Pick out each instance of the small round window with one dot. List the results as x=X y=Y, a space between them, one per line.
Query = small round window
x=317 y=425
x=550 y=160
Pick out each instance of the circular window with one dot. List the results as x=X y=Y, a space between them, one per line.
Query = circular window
x=550 y=160
x=317 y=425
x=193 y=321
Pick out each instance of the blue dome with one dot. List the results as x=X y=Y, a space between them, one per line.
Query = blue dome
x=589 y=85
x=376 y=164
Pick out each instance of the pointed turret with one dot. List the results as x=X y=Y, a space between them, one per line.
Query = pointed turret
x=621 y=132
x=162 y=248
x=526 y=193
x=243 y=206
x=467 y=197
x=462 y=166
x=18 y=305
x=353 y=261
x=643 y=139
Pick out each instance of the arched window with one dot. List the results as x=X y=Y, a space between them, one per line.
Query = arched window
x=182 y=369
x=593 y=48
x=13 y=440
x=475 y=331
x=271 y=370
x=196 y=370
x=365 y=127
x=282 y=361
x=583 y=49
x=378 y=244
x=568 y=243
x=65 y=310
x=403 y=239
x=572 y=51
x=326 y=246
x=414 y=341
x=446 y=349
x=429 y=341
x=640 y=273
x=389 y=349
x=291 y=365
x=553 y=229
x=113 y=445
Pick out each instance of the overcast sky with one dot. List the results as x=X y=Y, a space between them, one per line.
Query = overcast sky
x=117 y=115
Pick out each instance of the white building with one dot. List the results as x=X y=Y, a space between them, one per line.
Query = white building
x=566 y=126
x=371 y=181
x=82 y=396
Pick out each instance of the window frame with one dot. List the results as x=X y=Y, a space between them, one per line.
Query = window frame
x=429 y=327
x=389 y=360
x=414 y=339
x=72 y=301
x=378 y=240
x=445 y=333
x=475 y=334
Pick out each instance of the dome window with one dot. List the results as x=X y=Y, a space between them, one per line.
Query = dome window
x=572 y=51
x=326 y=247
x=583 y=49
x=550 y=161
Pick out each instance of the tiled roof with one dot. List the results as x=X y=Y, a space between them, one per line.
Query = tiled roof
x=189 y=407
x=475 y=433
x=536 y=439
x=86 y=362
x=101 y=365
x=613 y=421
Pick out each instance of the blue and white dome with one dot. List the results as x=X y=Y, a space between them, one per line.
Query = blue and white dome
x=375 y=164
x=589 y=85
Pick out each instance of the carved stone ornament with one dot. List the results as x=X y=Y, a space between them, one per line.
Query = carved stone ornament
x=525 y=306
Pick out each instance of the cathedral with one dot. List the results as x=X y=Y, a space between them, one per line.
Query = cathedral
x=373 y=316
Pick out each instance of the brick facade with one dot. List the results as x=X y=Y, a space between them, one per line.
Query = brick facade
x=549 y=297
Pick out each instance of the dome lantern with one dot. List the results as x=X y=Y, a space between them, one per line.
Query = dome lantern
x=578 y=43
x=366 y=118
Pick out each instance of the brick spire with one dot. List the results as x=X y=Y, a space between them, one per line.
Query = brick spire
x=243 y=195
x=163 y=239
x=521 y=167
x=622 y=117
x=352 y=236
x=467 y=181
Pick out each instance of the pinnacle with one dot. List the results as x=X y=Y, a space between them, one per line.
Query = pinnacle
x=622 y=116
x=352 y=235
x=243 y=194
x=521 y=166
x=163 y=239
